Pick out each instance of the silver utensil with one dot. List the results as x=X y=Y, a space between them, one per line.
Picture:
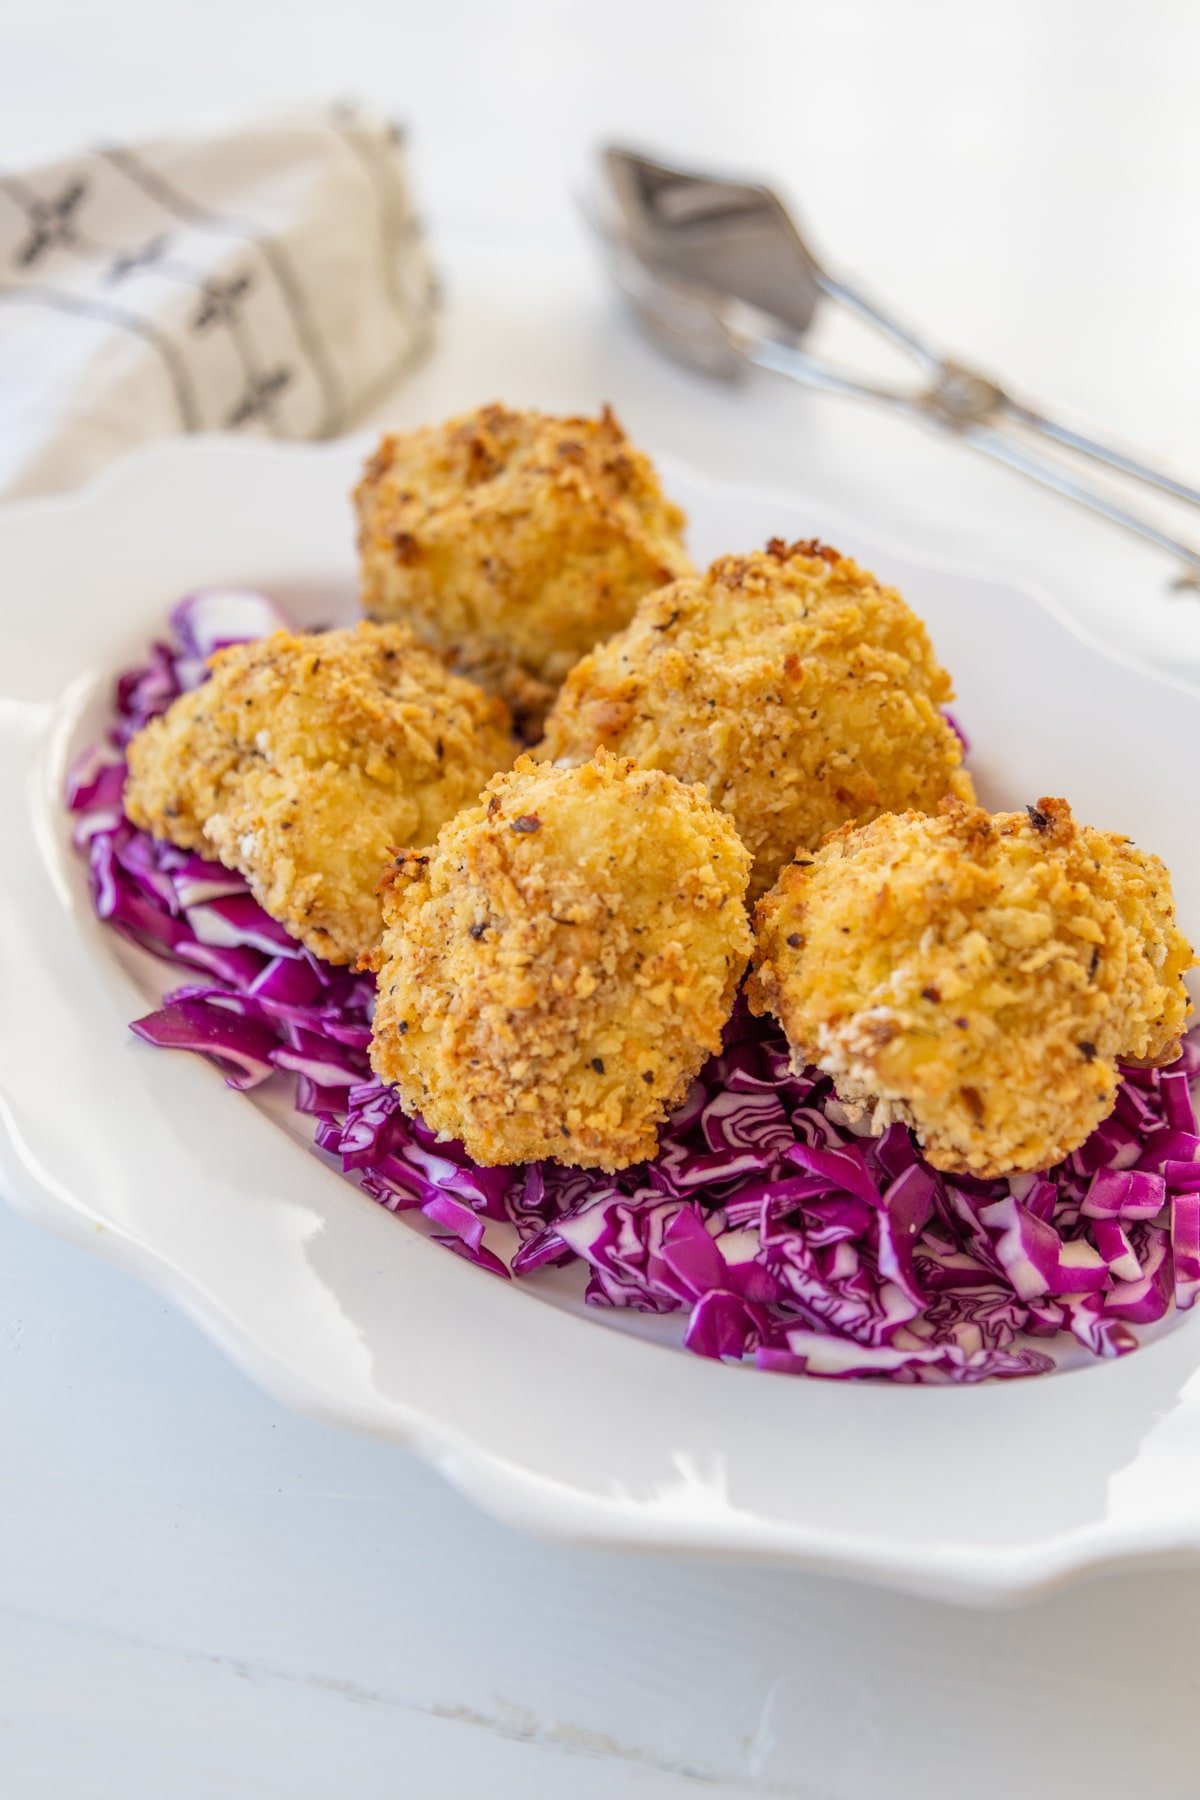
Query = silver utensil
x=720 y=274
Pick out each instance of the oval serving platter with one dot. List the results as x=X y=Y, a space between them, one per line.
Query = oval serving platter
x=526 y=1400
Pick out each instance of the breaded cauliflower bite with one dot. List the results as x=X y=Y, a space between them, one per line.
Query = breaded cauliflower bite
x=303 y=760
x=554 y=973
x=514 y=540
x=800 y=691
x=975 y=976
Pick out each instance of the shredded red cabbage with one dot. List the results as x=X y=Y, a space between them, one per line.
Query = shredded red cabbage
x=766 y=1220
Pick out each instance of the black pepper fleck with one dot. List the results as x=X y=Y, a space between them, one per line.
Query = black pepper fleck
x=794 y=940
x=647 y=1076
x=598 y=1064
x=1037 y=819
x=527 y=822
x=478 y=930
x=1087 y=1050
x=402 y=1027
x=931 y=994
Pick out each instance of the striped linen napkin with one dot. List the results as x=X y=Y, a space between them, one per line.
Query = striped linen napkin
x=268 y=278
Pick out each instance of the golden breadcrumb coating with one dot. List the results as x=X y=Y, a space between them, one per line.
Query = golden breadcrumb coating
x=514 y=540
x=800 y=691
x=302 y=760
x=976 y=976
x=555 y=971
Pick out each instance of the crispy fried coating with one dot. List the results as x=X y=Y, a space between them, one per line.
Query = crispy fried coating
x=554 y=972
x=800 y=691
x=514 y=540
x=302 y=760
x=976 y=976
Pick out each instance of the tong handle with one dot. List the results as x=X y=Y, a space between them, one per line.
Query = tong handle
x=1109 y=454
x=965 y=406
x=1014 y=455
x=975 y=399
x=986 y=400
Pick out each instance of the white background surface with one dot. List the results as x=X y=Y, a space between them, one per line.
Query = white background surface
x=201 y=1595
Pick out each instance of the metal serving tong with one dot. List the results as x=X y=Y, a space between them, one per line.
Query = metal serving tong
x=720 y=274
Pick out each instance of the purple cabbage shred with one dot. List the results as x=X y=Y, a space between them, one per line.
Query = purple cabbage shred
x=773 y=1229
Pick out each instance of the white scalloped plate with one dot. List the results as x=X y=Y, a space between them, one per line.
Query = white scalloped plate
x=343 y=1310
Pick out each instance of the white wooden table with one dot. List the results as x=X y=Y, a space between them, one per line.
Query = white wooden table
x=202 y=1595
